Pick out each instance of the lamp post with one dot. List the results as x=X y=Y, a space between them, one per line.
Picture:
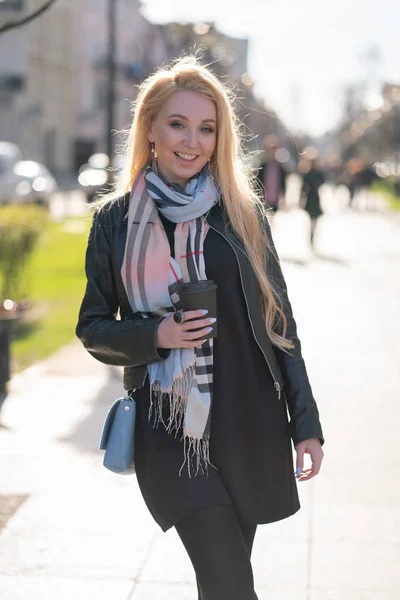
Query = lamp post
x=6 y=318
x=111 y=72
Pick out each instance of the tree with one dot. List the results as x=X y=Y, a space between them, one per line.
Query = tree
x=18 y=23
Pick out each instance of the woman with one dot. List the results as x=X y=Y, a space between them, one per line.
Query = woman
x=272 y=175
x=312 y=181
x=186 y=211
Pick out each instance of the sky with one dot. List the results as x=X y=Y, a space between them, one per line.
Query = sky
x=303 y=53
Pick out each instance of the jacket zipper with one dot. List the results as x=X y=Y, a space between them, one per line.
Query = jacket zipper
x=125 y=318
x=276 y=383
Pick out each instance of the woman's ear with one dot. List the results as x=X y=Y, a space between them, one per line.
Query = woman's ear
x=150 y=135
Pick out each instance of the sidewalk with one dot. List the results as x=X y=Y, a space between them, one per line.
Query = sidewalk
x=82 y=532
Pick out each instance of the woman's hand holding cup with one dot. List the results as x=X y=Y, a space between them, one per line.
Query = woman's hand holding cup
x=172 y=334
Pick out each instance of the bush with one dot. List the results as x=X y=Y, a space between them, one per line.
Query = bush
x=20 y=228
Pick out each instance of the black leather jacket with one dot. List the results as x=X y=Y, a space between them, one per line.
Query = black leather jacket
x=130 y=340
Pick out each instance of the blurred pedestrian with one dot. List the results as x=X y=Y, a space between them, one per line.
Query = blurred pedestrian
x=367 y=177
x=271 y=174
x=213 y=455
x=361 y=177
x=313 y=178
x=353 y=169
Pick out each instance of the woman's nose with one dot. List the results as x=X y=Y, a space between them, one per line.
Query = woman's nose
x=191 y=138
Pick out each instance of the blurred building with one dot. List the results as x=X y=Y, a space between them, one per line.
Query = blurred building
x=53 y=76
x=226 y=55
x=373 y=131
x=140 y=48
x=369 y=134
x=38 y=101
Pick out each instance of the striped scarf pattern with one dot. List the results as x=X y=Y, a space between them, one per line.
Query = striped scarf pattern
x=182 y=383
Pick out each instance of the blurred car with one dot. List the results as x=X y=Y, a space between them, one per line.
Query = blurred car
x=23 y=181
x=9 y=154
x=95 y=175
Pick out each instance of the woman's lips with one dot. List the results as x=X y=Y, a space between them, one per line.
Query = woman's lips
x=186 y=159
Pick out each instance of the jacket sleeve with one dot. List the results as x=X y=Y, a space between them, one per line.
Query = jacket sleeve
x=303 y=411
x=127 y=343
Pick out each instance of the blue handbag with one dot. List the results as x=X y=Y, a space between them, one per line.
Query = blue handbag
x=118 y=437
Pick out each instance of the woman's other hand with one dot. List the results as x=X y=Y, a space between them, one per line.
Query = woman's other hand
x=177 y=335
x=313 y=448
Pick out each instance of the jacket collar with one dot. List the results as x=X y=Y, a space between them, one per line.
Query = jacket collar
x=218 y=219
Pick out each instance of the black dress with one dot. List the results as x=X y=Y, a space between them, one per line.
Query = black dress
x=249 y=439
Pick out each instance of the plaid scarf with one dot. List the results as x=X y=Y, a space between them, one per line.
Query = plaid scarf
x=183 y=381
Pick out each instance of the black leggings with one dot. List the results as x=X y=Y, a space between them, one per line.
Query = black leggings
x=219 y=546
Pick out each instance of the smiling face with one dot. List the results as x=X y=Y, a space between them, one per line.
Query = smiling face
x=184 y=135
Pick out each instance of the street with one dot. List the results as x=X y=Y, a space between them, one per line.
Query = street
x=73 y=530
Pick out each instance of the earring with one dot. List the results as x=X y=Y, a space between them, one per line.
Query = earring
x=153 y=151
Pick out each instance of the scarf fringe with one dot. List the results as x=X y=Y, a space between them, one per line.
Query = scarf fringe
x=197 y=449
x=177 y=396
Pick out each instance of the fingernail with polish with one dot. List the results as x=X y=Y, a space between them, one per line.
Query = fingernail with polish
x=209 y=329
x=213 y=320
x=298 y=471
x=204 y=312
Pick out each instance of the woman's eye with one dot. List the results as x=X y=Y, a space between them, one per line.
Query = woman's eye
x=179 y=125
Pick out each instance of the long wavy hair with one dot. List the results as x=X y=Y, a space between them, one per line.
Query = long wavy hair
x=236 y=182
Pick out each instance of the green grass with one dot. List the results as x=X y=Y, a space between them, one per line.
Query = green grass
x=387 y=192
x=56 y=283
x=393 y=200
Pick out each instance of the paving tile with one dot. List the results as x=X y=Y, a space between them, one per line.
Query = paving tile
x=76 y=536
x=279 y=563
x=184 y=591
x=277 y=557
x=9 y=504
x=338 y=593
x=164 y=591
x=40 y=588
x=95 y=557
x=168 y=561
x=293 y=528
x=282 y=592
x=352 y=480
x=356 y=565
x=355 y=523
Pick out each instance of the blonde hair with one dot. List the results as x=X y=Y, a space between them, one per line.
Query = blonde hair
x=237 y=185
